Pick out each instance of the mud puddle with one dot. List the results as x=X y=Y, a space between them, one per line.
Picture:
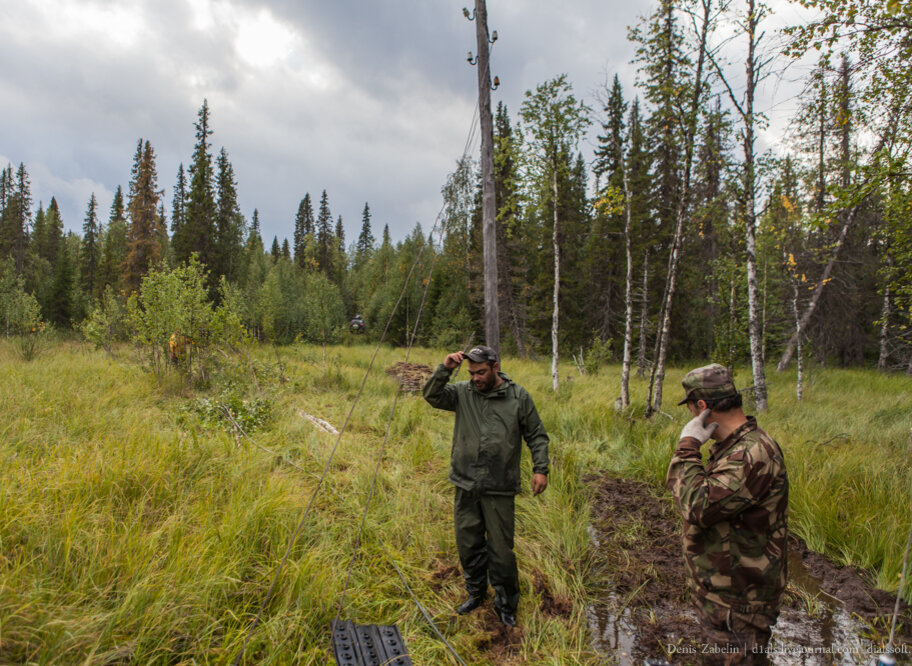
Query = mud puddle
x=641 y=608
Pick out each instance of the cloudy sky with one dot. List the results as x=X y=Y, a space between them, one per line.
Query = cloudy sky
x=371 y=100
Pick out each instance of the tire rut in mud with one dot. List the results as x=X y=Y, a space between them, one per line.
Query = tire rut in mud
x=643 y=606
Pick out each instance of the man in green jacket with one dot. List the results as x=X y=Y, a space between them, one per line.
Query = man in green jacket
x=735 y=513
x=493 y=416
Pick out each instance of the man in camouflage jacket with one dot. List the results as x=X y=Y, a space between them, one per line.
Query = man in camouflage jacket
x=735 y=512
x=493 y=416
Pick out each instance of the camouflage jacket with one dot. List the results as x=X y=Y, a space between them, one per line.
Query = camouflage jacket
x=735 y=512
x=488 y=434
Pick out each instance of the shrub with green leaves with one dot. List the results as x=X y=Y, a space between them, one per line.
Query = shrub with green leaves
x=35 y=335
x=174 y=321
x=598 y=354
x=229 y=408
x=20 y=314
x=107 y=323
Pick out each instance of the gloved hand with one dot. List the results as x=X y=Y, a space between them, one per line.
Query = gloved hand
x=698 y=428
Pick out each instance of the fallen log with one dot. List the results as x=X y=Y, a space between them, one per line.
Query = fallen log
x=325 y=426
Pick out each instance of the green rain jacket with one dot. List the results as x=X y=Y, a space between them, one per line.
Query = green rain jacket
x=487 y=437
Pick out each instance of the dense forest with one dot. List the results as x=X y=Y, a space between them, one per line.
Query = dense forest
x=680 y=236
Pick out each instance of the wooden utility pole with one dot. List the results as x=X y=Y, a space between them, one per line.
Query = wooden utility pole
x=488 y=205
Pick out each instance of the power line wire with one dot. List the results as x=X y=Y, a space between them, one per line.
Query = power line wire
x=389 y=426
x=424 y=612
x=326 y=467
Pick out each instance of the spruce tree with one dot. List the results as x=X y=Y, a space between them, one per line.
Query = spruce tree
x=6 y=187
x=114 y=244
x=712 y=213
x=7 y=190
x=303 y=231
x=254 y=231
x=640 y=182
x=814 y=126
x=340 y=235
x=161 y=231
x=15 y=214
x=603 y=261
x=255 y=272
x=460 y=261
x=841 y=325
x=61 y=304
x=365 y=245
x=48 y=243
x=664 y=70
x=39 y=231
x=844 y=121
x=143 y=233
x=230 y=224
x=39 y=271
x=7 y=206
x=276 y=252
x=286 y=250
x=23 y=213
x=199 y=228
x=609 y=155
x=324 y=236
x=179 y=211
x=576 y=283
x=41 y=277
x=340 y=259
x=89 y=254
x=676 y=87
x=511 y=239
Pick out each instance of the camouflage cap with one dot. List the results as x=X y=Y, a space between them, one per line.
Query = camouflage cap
x=711 y=382
x=482 y=354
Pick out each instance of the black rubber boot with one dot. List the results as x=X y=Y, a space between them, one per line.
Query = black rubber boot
x=507 y=618
x=469 y=605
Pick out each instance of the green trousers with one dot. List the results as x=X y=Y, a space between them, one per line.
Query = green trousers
x=484 y=536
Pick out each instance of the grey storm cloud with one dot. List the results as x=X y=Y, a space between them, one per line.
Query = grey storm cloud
x=371 y=101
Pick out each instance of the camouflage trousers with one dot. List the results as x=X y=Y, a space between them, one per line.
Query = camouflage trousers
x=731 y=638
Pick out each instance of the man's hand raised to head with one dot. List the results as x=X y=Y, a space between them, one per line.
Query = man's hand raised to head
x=698 y=428
x=453 y=360
x=539 y=483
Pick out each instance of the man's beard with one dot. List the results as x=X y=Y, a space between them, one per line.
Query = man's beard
x=486 y=386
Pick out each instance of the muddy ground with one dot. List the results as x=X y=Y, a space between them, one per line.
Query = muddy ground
x=831 y=615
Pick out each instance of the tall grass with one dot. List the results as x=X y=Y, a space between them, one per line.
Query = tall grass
x=847 y=448
x=131 y=529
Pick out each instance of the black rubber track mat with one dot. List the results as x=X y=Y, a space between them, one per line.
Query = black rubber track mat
x=368 y=645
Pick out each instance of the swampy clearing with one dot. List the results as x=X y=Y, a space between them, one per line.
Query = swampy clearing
x=136 y=525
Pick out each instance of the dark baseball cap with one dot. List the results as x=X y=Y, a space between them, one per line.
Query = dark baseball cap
x=711 y=382
x=482 y=354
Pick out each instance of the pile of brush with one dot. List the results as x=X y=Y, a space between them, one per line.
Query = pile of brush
x=411 y=376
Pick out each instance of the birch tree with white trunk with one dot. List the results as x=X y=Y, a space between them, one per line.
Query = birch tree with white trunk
x=628 y=300
x=554 y=121
x=703 y=22
x=749 y=23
